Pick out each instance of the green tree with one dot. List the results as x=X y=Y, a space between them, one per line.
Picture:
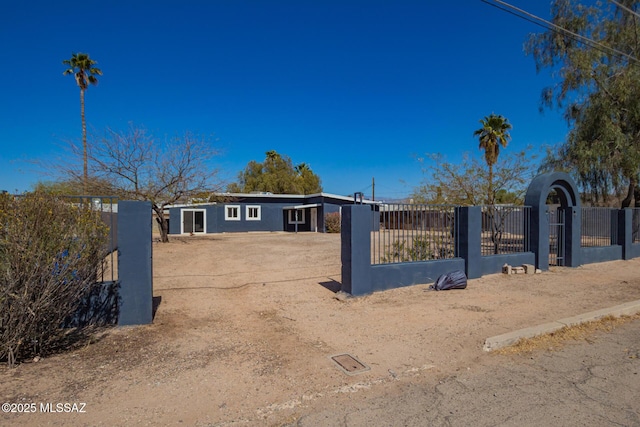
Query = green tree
x=493 y=134
x=72 y=185
x=596 y=60
x=276 y=175
x=307 y=181
x=82 y=67
x=58 y=188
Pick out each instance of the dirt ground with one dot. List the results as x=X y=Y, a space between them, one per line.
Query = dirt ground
x=246 y=325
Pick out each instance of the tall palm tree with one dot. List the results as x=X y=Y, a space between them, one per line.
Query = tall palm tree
x=302 y=168
x=82 y=67
x=493 y=133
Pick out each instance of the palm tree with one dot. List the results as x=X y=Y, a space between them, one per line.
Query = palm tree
x=82 y=67
x=272 y=156
x=302 y=168
x=493 y=133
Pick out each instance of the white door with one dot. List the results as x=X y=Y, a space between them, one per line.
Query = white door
x=314 y=219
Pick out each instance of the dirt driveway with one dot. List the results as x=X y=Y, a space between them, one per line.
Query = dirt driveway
x=247 y=323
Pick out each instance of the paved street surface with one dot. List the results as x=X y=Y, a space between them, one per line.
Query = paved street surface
x=590 y=383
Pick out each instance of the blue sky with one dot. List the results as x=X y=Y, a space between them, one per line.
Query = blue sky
x=355 y=88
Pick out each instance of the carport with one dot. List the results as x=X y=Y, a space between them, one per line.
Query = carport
x=297 y=215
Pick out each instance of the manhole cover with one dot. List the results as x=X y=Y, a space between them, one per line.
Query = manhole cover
x=349 y=364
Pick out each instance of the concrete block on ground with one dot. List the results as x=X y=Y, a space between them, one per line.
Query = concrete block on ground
x=529 y=269
x=517 y=270
x=506 y=269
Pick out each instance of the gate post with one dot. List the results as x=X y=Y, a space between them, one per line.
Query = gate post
x=469 y=239
x=573 y=225
x=355 y=234
x=135 y=264
x=539 y=235
x=625 y=231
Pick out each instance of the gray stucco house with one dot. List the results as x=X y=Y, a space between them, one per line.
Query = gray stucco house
x=241 y=212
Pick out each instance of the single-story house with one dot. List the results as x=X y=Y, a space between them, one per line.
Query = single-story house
x=257 y=212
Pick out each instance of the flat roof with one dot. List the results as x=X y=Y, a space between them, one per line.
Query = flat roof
x=312 y=205
x=296 y=196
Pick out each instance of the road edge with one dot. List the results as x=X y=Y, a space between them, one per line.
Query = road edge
x=510 y=338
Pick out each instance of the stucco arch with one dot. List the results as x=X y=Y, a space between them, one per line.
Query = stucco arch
x=536 y=198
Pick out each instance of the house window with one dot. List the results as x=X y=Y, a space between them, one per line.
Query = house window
x=296 y=216
x=194 y=221
x=232 y=213
x=253 y=213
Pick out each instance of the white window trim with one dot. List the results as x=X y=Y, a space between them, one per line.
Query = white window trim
x=231 y=218
x=291 y=221
x=182 y=211
x=250 y=218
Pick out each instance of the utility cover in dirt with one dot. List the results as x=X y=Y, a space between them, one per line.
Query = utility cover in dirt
x=349 y=364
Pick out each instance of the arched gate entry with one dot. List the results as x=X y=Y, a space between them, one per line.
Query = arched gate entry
x=555 y=231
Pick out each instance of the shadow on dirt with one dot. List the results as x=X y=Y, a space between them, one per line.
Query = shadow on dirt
x=333 y=285
x=156 y=303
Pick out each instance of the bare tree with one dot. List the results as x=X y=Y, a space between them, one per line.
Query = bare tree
x=134 y=165
x=470 y=183
x=467 y=183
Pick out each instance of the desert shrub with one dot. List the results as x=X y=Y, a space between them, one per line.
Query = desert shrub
x=332 y=222
x=420 y=249
x=400 y=251
x=396 y=253
x=51 y=251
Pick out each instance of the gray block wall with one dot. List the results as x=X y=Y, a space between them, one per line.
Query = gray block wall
x=135 y=263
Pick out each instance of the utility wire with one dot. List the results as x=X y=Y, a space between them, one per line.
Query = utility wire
x=527 y=16
x=621 y=6
x=537 y=22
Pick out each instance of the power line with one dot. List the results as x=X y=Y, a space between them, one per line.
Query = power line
x=621 y=6
x=530 y=17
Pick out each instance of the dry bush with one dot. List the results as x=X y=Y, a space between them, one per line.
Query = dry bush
x=51 y=251
x=332 y=222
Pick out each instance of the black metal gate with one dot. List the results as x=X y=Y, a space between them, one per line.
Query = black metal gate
x=556 y=236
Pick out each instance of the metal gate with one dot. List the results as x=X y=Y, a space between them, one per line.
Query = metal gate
x=556 y=236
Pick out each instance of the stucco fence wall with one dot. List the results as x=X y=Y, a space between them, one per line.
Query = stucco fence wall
x=126 y=298
x=361 y=277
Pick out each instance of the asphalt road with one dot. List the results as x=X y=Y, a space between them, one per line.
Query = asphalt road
x=589 y=383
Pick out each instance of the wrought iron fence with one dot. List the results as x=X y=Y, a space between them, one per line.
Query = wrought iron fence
x=599 y=227
x=556 y=235
x=505 y=229
x=413 y=232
